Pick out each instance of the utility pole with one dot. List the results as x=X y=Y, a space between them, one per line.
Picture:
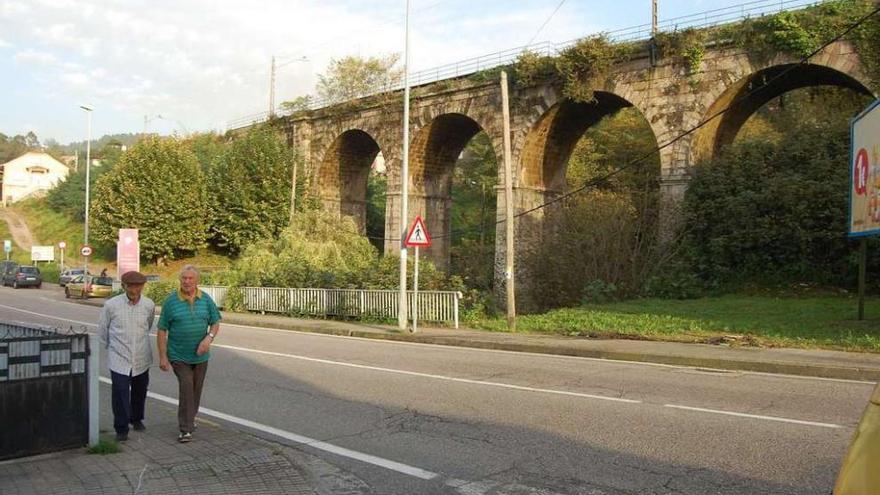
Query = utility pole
x=508 y=200
x=653 y=18
x=272 y=89
x=293 y=179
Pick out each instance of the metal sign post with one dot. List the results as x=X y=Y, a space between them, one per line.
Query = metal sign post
x=864 y=191
x=418 y=237
x=61 y=246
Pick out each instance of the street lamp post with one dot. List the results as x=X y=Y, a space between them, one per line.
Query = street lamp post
x=88 y=110
x=404 y=181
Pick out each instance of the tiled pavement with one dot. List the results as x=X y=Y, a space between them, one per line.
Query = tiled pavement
x=219 y=461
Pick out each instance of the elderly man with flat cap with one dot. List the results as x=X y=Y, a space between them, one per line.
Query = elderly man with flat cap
x=124 y=327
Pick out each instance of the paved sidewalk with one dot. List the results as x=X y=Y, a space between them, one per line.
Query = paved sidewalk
x=817 y=363
x=220 y=460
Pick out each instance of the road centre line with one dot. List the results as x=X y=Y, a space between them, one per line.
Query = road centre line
x=429 y=375
x=303 y=440
x=485 y=383
x=755 y=416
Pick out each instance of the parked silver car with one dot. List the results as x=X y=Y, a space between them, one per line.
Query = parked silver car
x=68 y=275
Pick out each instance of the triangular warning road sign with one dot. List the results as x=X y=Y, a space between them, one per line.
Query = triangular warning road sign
x=418 y=235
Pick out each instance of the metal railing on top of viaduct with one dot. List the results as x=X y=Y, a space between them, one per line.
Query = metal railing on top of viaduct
x=710 y=18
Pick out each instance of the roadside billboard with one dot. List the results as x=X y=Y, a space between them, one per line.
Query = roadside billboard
x=42 y=253
x=128 y=252
x=864 y=192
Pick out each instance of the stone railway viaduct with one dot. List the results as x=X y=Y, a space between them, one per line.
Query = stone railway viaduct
x=340 y=143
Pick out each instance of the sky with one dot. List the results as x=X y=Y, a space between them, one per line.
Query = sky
x=183 y=66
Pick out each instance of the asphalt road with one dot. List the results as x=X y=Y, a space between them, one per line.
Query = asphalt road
x=418 y=419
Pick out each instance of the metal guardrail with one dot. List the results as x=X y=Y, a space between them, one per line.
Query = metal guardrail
x=710 y=18
x=437 y=306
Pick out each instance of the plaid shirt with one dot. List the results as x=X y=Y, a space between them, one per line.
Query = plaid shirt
x=124 y=329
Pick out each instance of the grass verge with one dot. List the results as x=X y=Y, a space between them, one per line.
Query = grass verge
x=826 y=321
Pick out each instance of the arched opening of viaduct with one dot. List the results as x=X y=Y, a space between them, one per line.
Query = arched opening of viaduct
x=343 y=174
x=745 y=97
x=434 y=152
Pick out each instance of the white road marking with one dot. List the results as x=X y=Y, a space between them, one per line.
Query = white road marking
x=535 y=354
x=754 y=416
x=303 y=440
x=47 y=316
x=485 y=383
x=428 y=375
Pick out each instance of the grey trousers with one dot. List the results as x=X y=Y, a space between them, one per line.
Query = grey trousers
x=190 y=378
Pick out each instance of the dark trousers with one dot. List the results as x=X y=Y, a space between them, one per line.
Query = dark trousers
x=129 y=397
x=190 y=378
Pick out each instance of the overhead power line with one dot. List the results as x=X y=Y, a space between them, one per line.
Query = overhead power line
x=561 y=3
x=603 y=179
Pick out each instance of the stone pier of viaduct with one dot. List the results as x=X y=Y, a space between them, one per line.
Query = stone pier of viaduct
x=340 y=143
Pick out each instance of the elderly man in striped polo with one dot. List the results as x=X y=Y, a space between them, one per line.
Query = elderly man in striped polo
x=189 y=324
x=124 y=327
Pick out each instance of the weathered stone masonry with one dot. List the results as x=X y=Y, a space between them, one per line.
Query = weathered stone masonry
x=340 y=143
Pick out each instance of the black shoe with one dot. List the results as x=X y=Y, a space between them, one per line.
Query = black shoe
x=184 y=437
x=138 y=426
x=122 y=437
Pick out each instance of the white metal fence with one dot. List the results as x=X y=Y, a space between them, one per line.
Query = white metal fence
x=436 y=306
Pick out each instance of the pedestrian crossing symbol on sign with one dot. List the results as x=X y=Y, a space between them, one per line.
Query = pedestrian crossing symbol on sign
x=418 y=235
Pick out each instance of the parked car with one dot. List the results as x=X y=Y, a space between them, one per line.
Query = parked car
x=68 y=275
x=89 y=286
x=6 y=266
x=23 y=276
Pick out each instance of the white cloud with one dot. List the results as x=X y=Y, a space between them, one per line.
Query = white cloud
x=35 y=57
x=207 y=61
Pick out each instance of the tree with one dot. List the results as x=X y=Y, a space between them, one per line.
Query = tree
x=156 y=187
x=353 y=77
x=13 y=147
x=68 y=196
x=208 y=147
x=298 y=104
x=251 y=190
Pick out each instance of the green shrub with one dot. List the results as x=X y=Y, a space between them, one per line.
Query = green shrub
x=159 y=290
x=50 y=272
x=774 y=213
x=319 y=250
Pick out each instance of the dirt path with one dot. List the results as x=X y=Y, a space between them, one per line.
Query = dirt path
x=21 y=234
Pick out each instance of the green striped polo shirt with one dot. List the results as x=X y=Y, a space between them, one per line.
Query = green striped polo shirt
x=187 y=325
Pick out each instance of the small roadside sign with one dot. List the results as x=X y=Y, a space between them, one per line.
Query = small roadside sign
x=86 y=250
x=418 y=235
x=7 y=245
x=62 y=245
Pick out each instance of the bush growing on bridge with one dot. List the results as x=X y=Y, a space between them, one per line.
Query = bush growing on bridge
x=156 y=187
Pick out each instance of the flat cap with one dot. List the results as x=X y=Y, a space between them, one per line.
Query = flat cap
x=133 y=277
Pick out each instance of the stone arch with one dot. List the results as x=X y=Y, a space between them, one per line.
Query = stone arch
x=551 y=140
x=343 y=173
x=745 y=96
x=434 y=150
